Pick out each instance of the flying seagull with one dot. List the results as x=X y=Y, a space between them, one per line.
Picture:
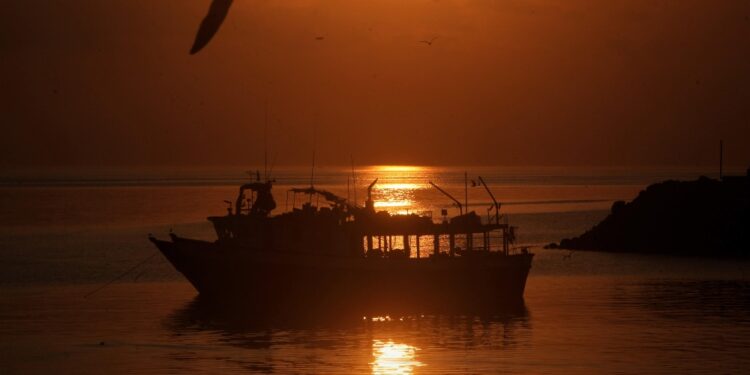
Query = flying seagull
x=211 y=23
x=428 y=42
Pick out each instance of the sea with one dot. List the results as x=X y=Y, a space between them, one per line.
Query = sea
x=83 y=291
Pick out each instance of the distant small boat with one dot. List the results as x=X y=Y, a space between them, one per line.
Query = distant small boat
x=332 y=254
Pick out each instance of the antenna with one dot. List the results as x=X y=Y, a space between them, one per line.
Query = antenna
x=312 y=170
x=275 y=155
x=354 y=180
x=273 y=164
x=265 y=144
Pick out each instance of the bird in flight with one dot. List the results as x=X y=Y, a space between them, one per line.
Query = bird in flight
x=428 y=42
x=217 y=12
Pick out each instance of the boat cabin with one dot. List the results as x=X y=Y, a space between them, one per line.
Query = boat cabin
x=318 y=221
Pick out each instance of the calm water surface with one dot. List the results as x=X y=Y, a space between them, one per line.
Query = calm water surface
x=63 y=237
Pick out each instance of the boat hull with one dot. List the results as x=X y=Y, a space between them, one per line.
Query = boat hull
x=292 y=282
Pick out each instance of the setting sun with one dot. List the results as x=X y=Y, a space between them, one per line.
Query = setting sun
x=397 y=168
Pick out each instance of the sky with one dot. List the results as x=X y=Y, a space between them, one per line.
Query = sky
x=538 y=82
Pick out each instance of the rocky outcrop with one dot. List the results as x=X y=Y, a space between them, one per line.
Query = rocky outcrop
x=705 y=217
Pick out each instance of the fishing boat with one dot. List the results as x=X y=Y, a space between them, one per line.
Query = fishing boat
x=327 y=252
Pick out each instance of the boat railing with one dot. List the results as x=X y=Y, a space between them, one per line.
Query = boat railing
x=424 y=213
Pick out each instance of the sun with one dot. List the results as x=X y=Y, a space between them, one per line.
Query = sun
x=397 y=168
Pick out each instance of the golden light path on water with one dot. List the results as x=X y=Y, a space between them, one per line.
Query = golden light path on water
x=393 y=358
x=396 y=187
x=400 y=186
x=393 y=203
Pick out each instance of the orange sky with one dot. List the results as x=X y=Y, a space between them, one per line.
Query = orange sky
x=584 y=82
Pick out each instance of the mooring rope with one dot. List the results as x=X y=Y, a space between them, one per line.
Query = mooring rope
x=131 y=269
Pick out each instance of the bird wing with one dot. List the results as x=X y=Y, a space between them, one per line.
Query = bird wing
x=211 y=23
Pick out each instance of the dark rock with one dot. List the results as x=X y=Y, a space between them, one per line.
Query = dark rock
x=617 y=206
x=704 y=217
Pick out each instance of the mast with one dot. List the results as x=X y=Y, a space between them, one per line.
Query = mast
x=466 y=191
x=354 y=180
x=265 y=144
x=312 y=169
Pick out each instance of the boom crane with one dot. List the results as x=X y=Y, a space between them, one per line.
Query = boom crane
x=496 y=204
x=460 y=207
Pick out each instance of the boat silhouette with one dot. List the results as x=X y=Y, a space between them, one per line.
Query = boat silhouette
x=330 y=254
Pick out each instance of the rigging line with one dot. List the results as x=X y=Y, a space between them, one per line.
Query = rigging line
x=131 y=269
x=138 y=276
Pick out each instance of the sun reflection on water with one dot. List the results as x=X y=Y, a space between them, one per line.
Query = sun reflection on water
x=394 y=203
x=393 y=358
x=399 y=186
